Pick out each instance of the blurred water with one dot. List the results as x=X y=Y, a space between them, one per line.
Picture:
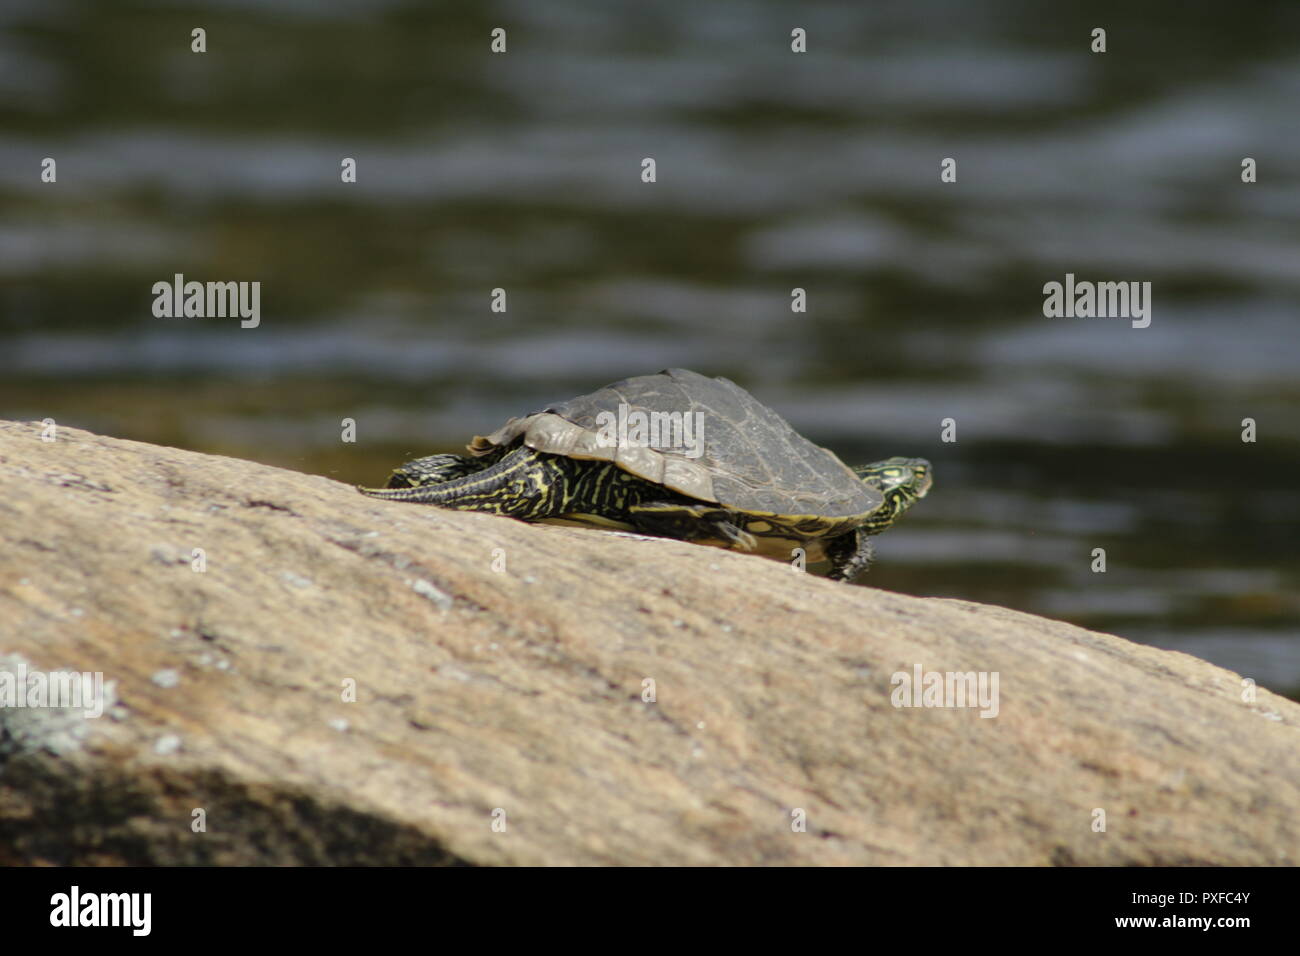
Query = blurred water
x=774 y=171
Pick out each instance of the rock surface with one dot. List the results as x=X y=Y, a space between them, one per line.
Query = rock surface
x=500 y=672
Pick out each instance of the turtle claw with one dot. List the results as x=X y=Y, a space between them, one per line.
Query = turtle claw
x=736 y=535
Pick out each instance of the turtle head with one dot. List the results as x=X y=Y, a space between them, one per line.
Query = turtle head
x=902 y=481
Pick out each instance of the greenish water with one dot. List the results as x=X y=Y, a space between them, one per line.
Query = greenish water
x=818 y=171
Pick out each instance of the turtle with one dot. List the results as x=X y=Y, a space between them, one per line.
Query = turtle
x=679 y=455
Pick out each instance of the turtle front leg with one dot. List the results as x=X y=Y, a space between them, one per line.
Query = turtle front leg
x=850 y=555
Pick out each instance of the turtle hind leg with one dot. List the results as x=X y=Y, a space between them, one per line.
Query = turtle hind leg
x=671 y=519
x=432 y=470
x=435 y=469
x=523 y=484
x=850 y=555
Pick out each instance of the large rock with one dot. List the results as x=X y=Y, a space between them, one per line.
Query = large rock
x=501 y=667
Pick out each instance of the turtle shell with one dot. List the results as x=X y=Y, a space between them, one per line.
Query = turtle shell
x=749 y=459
